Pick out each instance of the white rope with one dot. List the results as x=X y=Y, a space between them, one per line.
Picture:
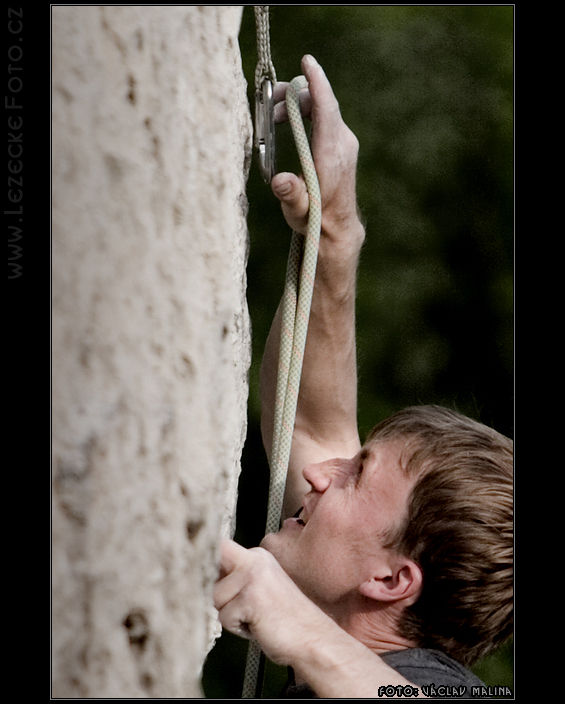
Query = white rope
x=297 y=299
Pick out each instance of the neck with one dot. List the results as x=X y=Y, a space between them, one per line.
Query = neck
x=375 y=625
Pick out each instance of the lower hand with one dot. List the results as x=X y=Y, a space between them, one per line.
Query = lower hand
x=256 y=599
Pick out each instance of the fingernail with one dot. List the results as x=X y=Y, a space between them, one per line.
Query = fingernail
x=284 y=188
x=309 y=62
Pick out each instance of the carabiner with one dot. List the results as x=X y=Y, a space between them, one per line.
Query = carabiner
x=265 y=129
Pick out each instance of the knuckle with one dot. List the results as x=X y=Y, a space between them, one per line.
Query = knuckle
x=263 y=563
x=261 y=554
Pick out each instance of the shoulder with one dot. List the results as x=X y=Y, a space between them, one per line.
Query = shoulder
x=424 y=666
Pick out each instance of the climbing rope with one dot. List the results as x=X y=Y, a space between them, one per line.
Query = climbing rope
x=265 y=67
x=301 y=269
x=297 y=299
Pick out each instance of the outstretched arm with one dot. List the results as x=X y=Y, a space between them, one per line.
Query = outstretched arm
x=326 y=416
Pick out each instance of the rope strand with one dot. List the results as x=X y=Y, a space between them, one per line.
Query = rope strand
x=297 y=298
x=265 y=67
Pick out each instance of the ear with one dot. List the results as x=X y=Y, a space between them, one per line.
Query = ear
x=402 y=581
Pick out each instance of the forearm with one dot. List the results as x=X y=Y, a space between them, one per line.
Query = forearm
x=327 y=403
x=336 y=665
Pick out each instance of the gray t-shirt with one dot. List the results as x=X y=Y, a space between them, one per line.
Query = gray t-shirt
x=423 y=667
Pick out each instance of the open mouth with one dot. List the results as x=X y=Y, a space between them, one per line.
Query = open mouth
x=299 y=520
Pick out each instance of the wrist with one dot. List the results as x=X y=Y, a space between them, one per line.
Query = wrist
x=338 y=260
x=344 y=235
x=339 y=251
x=315 y=645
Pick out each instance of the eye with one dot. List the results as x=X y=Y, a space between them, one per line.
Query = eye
x=359 y=470
x=360 y=466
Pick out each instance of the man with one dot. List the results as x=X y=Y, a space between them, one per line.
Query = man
x=394 y=564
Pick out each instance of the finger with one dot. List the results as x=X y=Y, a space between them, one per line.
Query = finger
x=280 y=113
x=293 y=195
x=291 y=190
x=227 y=588
x=325 y=107
x=231 y=554
x=305 y=102
x=236 y=618
x=279 y=90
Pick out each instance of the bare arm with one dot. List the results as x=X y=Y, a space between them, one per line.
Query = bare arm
x=336 y=665
x=326 y=417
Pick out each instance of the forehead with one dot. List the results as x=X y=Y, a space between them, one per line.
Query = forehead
x=386 y=478
x=386 y=454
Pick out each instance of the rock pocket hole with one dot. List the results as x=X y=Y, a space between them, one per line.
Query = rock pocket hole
x=193 y=528
x=137 y=627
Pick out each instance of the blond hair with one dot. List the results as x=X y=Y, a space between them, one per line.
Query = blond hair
x=458 y=528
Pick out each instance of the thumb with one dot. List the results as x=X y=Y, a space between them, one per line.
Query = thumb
x=291 y=191
x=231 y=555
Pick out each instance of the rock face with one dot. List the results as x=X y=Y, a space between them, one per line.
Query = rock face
x=151 y=142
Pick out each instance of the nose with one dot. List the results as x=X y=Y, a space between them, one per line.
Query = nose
x=320 y=474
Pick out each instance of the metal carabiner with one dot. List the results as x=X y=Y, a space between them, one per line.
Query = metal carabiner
x=265 y=129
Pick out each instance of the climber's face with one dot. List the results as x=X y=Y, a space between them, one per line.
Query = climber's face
x=338 y=540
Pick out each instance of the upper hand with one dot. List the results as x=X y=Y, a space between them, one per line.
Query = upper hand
x=334 y=150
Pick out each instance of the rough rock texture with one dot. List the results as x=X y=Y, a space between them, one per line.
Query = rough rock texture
x=151 y=140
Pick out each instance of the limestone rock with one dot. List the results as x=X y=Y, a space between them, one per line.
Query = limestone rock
x=151 y=141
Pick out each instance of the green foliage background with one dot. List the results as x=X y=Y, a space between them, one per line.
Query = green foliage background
x=428 y=90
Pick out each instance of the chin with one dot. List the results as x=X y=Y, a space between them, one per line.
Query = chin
x=276 y=544
x=269 y=542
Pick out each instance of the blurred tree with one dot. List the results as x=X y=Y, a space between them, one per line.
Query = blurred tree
x=428 y=90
